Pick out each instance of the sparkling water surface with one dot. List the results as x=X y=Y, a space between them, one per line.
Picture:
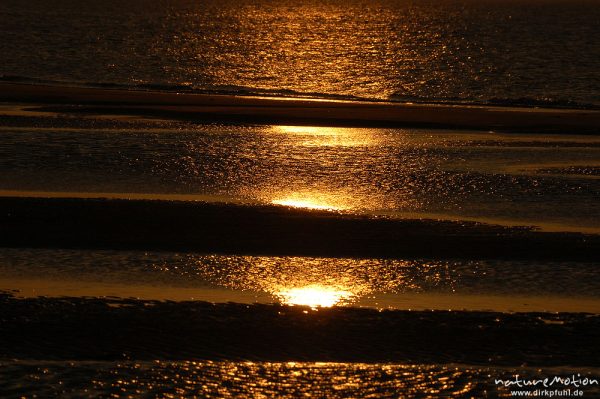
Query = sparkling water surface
x=507 y=52
x=315 y=282
x=163 y=379
x=499 y=51
x=549 y=181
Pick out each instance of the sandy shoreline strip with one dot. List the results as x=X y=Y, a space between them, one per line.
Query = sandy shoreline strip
x=269 y=230
x=262 y=110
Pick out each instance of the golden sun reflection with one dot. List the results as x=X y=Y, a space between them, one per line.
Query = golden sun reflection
x=314 y=296
x=304 y=203
x=308 y=130
x=328 y=136
x=313 y=200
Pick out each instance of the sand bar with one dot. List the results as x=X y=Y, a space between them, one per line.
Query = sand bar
x=263 y=110
x=68 y=328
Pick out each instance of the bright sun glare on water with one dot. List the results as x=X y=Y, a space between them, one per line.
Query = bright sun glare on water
x=314 y=136
x=313 y=200
x=313 y=296
x=308 y=204
x=310 y=130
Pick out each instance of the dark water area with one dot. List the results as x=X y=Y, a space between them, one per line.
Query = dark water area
x=504 y=52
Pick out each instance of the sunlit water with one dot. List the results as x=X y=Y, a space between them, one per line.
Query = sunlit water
x=263 y=380
x=314 y=282
x=492 y=51
x=549 y=181
x=503 y=51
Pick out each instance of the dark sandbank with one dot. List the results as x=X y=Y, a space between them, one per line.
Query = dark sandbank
x=270 y=230
x=105 y=329
x=240 y=109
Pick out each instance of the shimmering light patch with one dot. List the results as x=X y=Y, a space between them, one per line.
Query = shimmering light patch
x=312 y=130
x=300 y=203
x=313 y=200
x=329 y=136
x=314 y=296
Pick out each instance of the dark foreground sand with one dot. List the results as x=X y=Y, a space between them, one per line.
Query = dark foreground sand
x=236 y=109
x=270 y=230
x=104 y=329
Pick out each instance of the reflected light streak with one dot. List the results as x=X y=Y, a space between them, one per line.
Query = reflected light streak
x=309 y=130
x=313 y=296
x=321 y=200
x=328 y=136
x=307 y=204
